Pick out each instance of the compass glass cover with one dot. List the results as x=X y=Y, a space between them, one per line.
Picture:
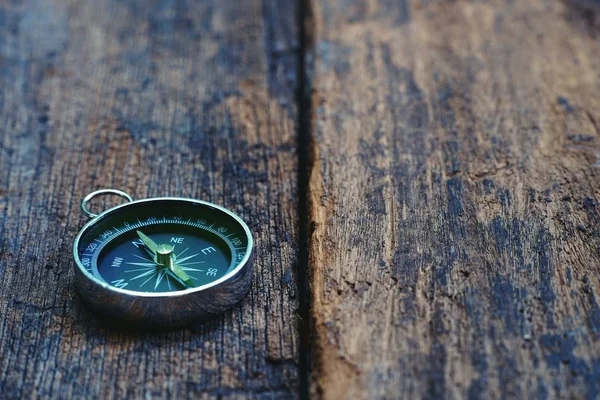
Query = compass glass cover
x=203 y=241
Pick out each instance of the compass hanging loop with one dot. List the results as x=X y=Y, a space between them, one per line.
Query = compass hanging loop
x=97 y=193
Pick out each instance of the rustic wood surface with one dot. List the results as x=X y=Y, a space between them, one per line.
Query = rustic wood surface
x=455 y=246
x=449 y=154
x=185 y=98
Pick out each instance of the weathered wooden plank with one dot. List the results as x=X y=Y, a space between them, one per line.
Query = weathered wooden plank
x=185 y=98
x=454 y=199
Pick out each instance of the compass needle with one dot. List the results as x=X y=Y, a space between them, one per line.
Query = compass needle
x=148 y=242
x=153 y=260
x=177 y=270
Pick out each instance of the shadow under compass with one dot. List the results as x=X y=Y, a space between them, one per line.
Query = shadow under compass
x=87 y=319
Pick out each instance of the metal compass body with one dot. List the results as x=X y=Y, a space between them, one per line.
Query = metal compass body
x=162 y=261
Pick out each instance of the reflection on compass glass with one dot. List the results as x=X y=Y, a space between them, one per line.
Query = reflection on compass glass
x=153 y=249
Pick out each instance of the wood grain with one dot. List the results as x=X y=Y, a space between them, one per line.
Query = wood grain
x=455 y=247
x=186 y=98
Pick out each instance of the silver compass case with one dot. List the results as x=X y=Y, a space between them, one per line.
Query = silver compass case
x=165 y=309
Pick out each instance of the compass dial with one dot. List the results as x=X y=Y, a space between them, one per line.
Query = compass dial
x=163 y=245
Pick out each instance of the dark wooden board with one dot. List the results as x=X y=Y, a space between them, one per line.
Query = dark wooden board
x=455 y=246
x=183 y=98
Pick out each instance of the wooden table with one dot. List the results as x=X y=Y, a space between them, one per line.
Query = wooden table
x=422 y=179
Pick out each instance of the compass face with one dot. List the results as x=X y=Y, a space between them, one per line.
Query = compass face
x=163 y=245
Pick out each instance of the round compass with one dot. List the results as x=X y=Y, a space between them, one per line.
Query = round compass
x=162 y=261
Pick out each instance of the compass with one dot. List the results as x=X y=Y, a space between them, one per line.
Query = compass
x=164 y=261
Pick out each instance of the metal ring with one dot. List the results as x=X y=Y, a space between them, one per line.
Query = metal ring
x=97 y=193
